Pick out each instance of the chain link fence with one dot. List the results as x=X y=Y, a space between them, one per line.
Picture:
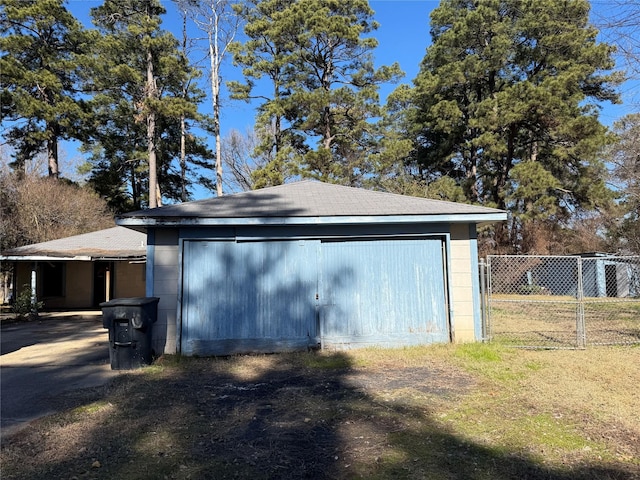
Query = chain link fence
x=562 y=302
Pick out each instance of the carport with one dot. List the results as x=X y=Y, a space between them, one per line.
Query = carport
x=81 y=271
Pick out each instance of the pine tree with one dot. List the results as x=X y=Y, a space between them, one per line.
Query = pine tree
x=268 y=53
x=324 y=85
x=506 y=96
x=44 y=52
x=142 y=94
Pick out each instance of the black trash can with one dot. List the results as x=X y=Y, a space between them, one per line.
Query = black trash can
x=130 y=323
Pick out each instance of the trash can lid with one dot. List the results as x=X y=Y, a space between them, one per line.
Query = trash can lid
x=133 y=301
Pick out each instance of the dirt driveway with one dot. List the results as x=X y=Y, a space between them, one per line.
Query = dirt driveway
x=42 y=362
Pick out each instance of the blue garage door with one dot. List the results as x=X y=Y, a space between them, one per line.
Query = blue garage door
x=248 y=296
x=383 y=292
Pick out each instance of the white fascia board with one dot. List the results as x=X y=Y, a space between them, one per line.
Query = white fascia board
x=111 y=258
x=42 y=258
x=339 y=220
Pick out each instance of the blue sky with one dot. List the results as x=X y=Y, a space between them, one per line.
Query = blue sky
x=403 y=37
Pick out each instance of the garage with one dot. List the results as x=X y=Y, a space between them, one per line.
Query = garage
x=312 y=265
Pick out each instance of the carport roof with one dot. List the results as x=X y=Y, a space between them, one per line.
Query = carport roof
x=310 y=202
x=116 y=243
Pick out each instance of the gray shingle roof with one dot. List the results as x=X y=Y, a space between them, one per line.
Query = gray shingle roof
x=112 y=243
x=309 y=199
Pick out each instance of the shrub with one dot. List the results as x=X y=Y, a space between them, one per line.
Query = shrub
x=24 y=305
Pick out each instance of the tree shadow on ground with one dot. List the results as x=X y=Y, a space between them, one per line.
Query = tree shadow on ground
x=272 y=416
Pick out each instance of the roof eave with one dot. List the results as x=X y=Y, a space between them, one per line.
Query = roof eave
x=76 y=258
x=43 y=258
x=148 y=221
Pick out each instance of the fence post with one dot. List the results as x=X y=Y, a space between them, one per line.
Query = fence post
x=580 y=322
x=483 y=299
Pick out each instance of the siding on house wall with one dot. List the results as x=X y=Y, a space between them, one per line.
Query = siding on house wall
x=163 y=274
x=129 y=280
x=23 y=277
x=464 y=285
x=79 y=288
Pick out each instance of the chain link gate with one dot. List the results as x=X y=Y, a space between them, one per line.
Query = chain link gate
x=562 y=301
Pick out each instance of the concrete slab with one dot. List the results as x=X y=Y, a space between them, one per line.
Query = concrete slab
x=42 y=360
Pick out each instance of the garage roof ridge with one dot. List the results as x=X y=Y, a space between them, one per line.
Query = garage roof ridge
x=305 y=199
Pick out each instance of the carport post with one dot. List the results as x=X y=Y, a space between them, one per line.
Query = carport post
x=34 y=269
x=107 y=294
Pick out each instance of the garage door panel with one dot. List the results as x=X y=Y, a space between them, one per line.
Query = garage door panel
x=394 y=292
x=255 y=294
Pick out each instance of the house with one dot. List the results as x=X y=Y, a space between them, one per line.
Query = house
x=83 y=270
x=310 y=264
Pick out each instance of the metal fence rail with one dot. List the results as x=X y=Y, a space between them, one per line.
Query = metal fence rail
x=562 y=302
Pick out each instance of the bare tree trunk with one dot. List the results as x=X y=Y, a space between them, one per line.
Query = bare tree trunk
x=218 y=20
x=151 y=135
x=183 y=159
x=135 y=188
x=327 y=137
x=183 y=123
x=214 y=57
x=158 y=196
x=327 y=134
x=52 y=154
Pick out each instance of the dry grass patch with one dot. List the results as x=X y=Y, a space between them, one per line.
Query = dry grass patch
x=467 y=411
x=551 y=321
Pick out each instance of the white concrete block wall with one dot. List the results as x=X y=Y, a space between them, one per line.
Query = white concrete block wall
x=462 y=294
